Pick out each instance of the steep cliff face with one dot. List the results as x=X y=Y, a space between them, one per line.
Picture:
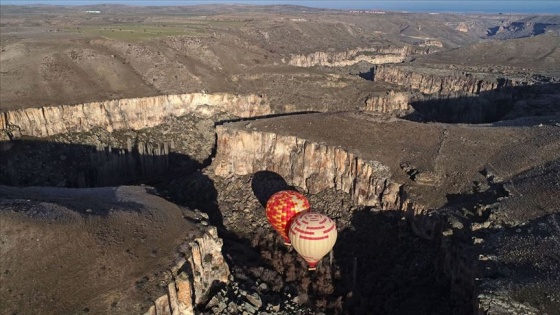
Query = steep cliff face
x=101 y=158
x=457 y=94
x=197 y=273
x=389 y=102
x=431 y=81
x=310 y=165
x=134 y=113
x=377 y=55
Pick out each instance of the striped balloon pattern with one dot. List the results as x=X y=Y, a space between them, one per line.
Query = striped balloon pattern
x=281 y=207
x=313 y=235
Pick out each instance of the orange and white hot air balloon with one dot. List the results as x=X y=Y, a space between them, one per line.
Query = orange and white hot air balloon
x=281 y=207
x=313 y=236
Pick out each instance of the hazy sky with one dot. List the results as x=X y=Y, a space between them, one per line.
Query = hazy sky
x=525 y=6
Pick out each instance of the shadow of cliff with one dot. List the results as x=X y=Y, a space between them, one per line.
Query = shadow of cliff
x=384 y=268
x=47 y=163
x=506 y=102
x=520 y=29
x=96 y=202
x=481 y=194
x=368 y=75
x=249 y=119
x=266 y=183
x=196 y=191
x=175 y=177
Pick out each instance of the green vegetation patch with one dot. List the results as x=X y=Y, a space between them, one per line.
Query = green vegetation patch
x=141 y=32
x=134 y=33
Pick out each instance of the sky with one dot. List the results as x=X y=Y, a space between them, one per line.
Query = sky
x=503 y=6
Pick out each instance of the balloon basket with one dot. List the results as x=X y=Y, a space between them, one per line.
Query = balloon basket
x=312 y=268
x=288 y=244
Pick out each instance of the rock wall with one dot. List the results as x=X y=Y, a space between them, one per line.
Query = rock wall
x=432 y=42
x=377 y=55
x=316 y=167
x=134 y=113
x=200 y=271
x=388 y=102
x=431 y=81
x=101 y=158
x=309 y=165
x=107 y=167
x=455 y=96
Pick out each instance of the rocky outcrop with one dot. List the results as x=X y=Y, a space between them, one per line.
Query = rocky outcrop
x=388 y=102
x=462 y=27
x=432 y=42
x=195 y=277
x=134 y=113
x=310 y=165
x=442 y=81
x=517 y=29
x=376 y=55
x=455 y=94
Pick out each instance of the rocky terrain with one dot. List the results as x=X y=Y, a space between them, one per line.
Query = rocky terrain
x=109 y=253
x=138 y=147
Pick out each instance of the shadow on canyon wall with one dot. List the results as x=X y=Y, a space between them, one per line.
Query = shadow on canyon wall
x=266 y=183
x=507 y=102
x=378 y=265
x=46 y=163
x=249 y=119
x=387 y=269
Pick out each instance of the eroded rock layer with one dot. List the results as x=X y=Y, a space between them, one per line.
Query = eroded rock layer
x=443 y=81
x=134 y=113
x=390 y=102
x=195 y=277
x=357 y=152
x=310 y=165
x=461 y=94
x=374 y=55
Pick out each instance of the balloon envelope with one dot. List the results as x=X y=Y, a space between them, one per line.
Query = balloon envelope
x=313 y=235
x=281 y=207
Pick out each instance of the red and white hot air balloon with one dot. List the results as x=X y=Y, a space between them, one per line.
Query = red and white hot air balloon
x=281 y=207
x=313 y=236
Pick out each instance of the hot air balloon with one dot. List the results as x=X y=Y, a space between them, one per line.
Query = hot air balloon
x=281 y=207
x=313 y=235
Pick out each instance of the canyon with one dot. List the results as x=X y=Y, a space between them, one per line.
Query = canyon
x=137 y=113
x=323 y=158
x=378 y=55
x=440 y=169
